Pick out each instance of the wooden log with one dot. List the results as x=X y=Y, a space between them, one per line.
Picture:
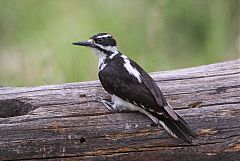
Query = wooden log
x=65 y=122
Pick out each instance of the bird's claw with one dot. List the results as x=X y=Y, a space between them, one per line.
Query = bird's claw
x=106 y=102
x=98 y=99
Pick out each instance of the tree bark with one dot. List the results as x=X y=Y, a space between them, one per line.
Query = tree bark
x=65 y=122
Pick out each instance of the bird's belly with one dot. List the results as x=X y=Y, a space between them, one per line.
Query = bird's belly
x=123 y=105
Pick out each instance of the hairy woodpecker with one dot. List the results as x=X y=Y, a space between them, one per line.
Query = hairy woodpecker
x=131 y=88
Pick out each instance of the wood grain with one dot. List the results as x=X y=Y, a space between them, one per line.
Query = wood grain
x=64 y=122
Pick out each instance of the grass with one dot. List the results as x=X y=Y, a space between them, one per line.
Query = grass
x=36 y=36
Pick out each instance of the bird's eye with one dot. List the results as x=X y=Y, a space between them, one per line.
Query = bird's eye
x=99 y=40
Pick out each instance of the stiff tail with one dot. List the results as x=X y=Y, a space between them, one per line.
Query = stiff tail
x=178 y=129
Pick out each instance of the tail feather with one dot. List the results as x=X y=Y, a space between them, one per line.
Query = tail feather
x=174 y=128
x=185 y=127
x=177 y=128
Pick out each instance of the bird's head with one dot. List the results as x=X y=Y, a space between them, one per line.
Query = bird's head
x=101 y=43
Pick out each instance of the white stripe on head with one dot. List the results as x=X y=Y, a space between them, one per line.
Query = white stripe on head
x=102 y=36
x=131 y=70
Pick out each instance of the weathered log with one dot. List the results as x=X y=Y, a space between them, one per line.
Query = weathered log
x=65 y=122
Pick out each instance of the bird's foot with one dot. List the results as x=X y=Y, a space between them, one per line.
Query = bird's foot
x=107 y=103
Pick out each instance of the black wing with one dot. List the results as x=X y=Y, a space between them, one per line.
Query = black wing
x=116 y=80
x=156 y=92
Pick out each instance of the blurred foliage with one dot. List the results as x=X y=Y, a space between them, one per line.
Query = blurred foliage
x=36 y=36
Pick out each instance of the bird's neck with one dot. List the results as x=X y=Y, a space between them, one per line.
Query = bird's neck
x=105 y=55
x=104 y=59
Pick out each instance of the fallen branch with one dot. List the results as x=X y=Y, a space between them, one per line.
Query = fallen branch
x=64 y=121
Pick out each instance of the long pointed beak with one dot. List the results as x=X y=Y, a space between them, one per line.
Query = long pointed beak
x=88 y=43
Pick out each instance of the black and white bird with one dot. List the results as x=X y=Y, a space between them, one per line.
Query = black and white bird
x=131 y=88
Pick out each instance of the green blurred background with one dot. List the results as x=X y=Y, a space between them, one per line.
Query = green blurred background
x=36 y=36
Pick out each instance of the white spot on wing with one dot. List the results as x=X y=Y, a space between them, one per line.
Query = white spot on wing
x=151 y=110
x=131 y=70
